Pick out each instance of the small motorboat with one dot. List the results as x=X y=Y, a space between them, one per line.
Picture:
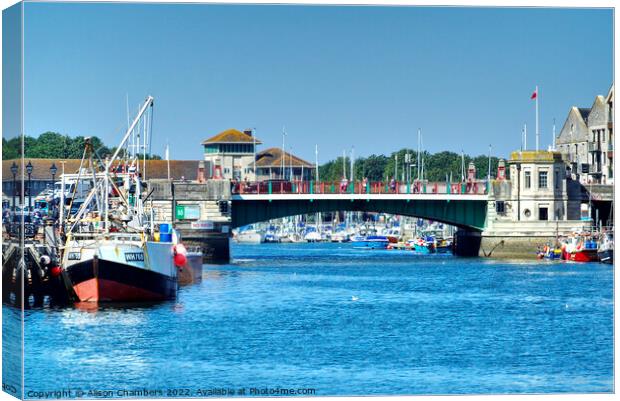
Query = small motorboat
x=549 y=252
x=373 y=242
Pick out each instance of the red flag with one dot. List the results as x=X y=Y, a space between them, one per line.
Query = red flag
x=535 y=94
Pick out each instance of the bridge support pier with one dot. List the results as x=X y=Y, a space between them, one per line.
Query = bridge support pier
x=467 y=242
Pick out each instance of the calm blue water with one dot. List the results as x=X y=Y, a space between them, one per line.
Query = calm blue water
x=342 y=322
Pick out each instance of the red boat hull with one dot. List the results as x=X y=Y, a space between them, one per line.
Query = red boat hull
x=589 y=255
x=100 y=280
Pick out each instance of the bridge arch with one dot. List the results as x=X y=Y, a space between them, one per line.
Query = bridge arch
x=464 y=212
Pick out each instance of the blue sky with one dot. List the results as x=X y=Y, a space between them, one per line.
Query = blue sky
x=337 y=76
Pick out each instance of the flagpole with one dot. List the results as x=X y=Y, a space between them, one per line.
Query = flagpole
x=525 y=136
x=537 y=118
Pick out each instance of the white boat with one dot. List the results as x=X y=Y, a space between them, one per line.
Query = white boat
x=249 y=235
x=340 y=236
x=312 y=236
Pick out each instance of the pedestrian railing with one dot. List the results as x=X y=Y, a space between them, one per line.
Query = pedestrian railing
x=359 y=187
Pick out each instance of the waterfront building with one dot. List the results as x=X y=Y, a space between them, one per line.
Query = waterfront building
x=41 y=177
x=586 y=140
x=542 y=188
x=230 y=155
x=272 y=163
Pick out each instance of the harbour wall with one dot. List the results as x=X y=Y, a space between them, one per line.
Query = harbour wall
x=522 y=239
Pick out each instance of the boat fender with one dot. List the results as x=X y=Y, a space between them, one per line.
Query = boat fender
x=55 y=271
x=45 y=260
x=180 y=255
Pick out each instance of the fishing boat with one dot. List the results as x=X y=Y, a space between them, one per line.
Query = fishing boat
x=606 y=250
x=580 y=248
x=112 y=250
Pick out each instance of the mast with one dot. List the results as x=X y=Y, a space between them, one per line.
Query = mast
x=316 y=162
x=62 y=196
x=147 y=103
x=352 y=158
x=283 y=154
x=489 y=172
x=254 y=148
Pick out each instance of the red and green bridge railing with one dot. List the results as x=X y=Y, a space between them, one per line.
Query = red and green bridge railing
x=359 y=187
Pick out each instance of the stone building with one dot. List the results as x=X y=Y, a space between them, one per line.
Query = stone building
x=586 y=140
x=541 y=187
x=539 y=203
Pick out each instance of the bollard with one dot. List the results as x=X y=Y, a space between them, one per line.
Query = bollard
x=270 y=188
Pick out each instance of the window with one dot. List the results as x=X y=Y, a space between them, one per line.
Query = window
x=543 y=213
x=500 y=207
x=557 y=179
x=226 y=170
x=542 y=179
x=528 y=179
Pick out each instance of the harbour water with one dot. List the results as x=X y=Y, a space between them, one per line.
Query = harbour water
x=340 y=321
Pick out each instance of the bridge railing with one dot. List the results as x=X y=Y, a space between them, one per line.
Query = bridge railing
x=359 y=187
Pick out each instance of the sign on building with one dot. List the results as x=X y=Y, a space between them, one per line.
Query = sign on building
x=187 y=212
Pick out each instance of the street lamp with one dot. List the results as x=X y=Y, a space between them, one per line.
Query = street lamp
x=29 y=171
x=14 y=171
x=53 y=170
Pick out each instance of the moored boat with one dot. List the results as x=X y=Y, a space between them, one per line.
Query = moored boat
x=120 y=268
x=249 y=235
x=580 y=248
x=373 y=242
x=606 y=250
x=112 y=251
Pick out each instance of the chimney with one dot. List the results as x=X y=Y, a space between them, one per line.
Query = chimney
x=247 y=131
x=201 y=172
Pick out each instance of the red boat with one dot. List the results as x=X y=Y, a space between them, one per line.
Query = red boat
x=583 y=255
x=579 y=249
